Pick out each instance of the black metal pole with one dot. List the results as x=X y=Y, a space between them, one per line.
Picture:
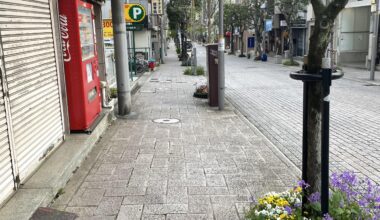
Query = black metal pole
x=326 y=83
x=304 y=137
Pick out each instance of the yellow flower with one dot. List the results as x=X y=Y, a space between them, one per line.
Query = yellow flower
x=298 y=189
x=283 y=216
x=282 y=202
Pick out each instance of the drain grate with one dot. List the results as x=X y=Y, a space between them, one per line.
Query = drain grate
x=166 y=121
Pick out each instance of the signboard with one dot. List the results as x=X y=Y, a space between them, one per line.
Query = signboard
x=157 y=7
x=299 y=23
x=283 y=23
x=268 y=25
x=251 y=42
x=135 y=27
x=134 y=13
x=107 y=29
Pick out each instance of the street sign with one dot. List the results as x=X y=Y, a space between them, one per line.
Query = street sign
x=107 y=29
x=135 y=27
x=134 y=13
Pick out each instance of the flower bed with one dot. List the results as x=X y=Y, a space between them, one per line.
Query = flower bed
x=350 y=198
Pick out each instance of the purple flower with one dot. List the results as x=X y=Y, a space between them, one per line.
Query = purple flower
x=327 y=217
x=314 y=197
x=288 y=210
x=346 y=182
x=303 y=184
x=377 y=199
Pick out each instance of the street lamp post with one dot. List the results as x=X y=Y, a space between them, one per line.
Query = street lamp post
x=374 y=41
x=221 y=47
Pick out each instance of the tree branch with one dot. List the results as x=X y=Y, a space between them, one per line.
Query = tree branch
x=335 y=7
x=318 y=7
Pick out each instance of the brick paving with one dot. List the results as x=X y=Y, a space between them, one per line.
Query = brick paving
x=208 y=166
x=272 y=101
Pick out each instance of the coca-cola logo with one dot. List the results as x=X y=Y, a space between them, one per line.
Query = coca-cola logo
x=65 y=38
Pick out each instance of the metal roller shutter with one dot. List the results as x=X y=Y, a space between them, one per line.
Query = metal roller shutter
x=32 y=80
x=6 y=174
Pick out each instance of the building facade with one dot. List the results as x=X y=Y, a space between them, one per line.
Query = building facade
x=34 y=116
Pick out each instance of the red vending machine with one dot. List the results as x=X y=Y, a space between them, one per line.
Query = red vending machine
x=81 y=63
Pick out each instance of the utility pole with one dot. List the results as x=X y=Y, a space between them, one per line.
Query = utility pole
x=221 y=45
x=375 y=36
x=162 y=40
x=121 y=57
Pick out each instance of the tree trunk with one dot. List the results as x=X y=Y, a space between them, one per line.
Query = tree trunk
x=291 y=46
x=209 y=30
x=320 y=39
x=258 y=42
x=241 y=45
x=318 y=44
x=183 y=43
x=232 y=41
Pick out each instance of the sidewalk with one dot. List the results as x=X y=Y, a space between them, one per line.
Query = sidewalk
x=207 y=166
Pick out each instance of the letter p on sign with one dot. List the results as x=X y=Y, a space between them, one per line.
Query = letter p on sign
x=136 y=13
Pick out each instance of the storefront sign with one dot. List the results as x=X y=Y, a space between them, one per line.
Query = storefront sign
x=268 y=25
x=107 y=29
x=283 y=23
x=157 y=7
x=299 y=23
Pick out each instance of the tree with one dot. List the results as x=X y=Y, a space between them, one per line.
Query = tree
x=229 y=22
x=211 y=8
x=242 y=15
x=290 y=9
x=258 y=22
x=179 y=15
x=325 y=15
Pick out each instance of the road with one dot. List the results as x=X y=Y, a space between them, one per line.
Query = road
x=265 y=94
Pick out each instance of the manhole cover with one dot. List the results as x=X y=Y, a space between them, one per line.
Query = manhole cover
x=166 y=120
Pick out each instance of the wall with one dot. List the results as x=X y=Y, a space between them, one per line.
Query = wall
x=353 y=34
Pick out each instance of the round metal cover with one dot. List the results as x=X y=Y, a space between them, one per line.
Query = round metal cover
x=166 y=120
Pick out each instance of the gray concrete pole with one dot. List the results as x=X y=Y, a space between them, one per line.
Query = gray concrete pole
x=121 y=58
x=221 y=57
x=194 y=61
x=374 y=41
x=162 y=40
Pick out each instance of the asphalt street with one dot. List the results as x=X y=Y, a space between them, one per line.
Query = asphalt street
x=272 y=101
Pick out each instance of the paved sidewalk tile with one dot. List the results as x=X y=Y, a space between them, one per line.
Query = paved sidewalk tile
x=207 y=166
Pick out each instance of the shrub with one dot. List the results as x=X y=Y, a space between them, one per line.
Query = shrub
x=113 y=93
x=200 y=71
x=350 y=198
x=178 y=50
x=188 y=71
x=290 y=63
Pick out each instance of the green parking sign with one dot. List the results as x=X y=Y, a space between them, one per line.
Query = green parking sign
x=134 y=13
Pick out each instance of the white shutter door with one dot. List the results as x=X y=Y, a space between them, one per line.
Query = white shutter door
x=32 y=79
x=6 y=175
